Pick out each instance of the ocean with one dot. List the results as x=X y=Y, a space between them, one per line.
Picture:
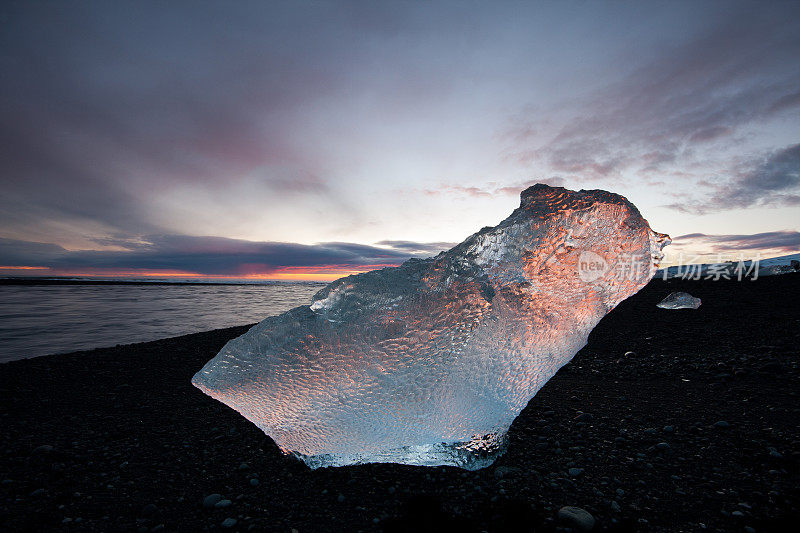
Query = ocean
x=39 y=320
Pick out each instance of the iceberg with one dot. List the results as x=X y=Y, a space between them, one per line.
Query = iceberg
x=429 y=363
x=679 y=300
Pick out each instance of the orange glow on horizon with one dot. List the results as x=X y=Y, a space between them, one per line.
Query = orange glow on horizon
x=323 y=273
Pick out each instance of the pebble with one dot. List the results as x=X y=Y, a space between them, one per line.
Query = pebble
x=211 y=500
x=228 y=522
x=149 y=510
x=576 y=517
x=223 y=504
x=721 y=424
x=340 y=498
x=503 y=471
x=254 y=482
x=575 y=472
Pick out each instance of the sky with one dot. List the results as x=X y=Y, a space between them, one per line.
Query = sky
x=309 y=140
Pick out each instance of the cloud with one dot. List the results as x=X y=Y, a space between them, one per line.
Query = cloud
x=772 y=181
x=680 y=115
x=100 y=123
x=214 y=256
x=786 y=102
x=300 y=121
x=710 y=134
x=492 y=189
x=218 y=256
x=782 y=241
x=412 y=247
x=23 y=253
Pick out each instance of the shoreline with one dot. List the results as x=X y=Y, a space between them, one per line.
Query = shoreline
x=118 y=438
x=91 y=351
x=52 y=281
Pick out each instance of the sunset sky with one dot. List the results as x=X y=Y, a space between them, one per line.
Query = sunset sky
x=306 y=140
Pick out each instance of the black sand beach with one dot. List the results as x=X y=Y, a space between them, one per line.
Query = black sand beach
x=697 y=429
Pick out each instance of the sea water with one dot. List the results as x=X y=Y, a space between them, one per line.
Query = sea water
x=45 y=319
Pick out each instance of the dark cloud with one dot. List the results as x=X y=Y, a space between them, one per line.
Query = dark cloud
x=104 y=107
x=785 y=241
x=772 y=181
x=213 y=255
x=680 y=111
x=786 y=102
x=710 y=134
x=412 y=247
x=24 y=253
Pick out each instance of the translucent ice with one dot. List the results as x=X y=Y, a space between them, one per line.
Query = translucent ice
x=428 y=363
x=679 y=300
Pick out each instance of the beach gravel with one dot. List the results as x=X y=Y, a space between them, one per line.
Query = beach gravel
x=117 y=439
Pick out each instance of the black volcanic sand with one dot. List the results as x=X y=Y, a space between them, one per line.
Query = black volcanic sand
x=696 y=429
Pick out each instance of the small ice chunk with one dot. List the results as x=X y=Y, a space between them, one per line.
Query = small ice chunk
x=679 y=300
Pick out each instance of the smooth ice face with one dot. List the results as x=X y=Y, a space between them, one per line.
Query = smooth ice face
x=679 y=300
x=428 y=363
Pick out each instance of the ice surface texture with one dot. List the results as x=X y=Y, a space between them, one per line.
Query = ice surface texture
x=679 y=300
x=428 y=363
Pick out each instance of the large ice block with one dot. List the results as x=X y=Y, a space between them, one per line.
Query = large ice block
x=428 y=363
